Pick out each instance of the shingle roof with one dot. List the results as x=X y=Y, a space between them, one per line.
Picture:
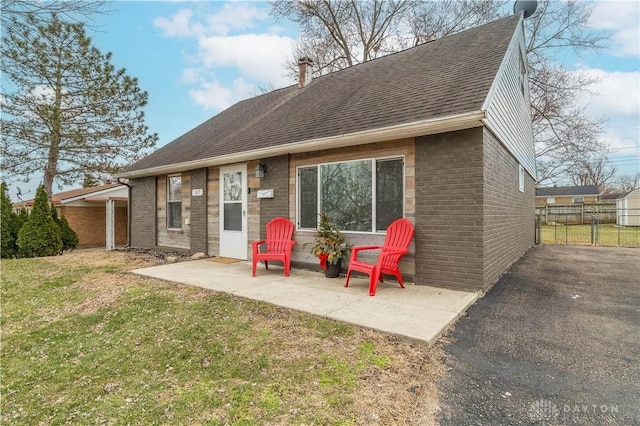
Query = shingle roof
x=445 y=77
x=558 y=191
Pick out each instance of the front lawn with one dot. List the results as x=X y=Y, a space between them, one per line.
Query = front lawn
x=84 y=342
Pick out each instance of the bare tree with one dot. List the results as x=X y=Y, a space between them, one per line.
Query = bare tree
x=564 y=134
x=430 y=20
x=338 y=34
x=627 y=183
x=593 y=170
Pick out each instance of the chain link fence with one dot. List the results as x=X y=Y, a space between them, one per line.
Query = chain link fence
x=587 y=225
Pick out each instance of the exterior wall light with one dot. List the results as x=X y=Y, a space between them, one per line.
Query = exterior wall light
x=260 y=170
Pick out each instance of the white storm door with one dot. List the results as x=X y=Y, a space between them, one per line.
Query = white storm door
x=233 y=211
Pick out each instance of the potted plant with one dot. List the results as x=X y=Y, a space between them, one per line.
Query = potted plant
x=329 y=246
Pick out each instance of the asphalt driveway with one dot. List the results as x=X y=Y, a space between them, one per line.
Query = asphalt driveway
x=556 y=342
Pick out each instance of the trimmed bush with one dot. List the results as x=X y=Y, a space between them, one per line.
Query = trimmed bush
x=68 y=235
x=9 y=225
x=40 y=235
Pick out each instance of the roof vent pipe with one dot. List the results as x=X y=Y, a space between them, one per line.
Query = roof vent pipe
x=305 y=75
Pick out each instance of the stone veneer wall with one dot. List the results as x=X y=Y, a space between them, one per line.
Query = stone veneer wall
x=276 y=178
x=198 y=219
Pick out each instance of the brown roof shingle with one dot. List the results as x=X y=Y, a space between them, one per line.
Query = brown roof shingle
x=444 y=77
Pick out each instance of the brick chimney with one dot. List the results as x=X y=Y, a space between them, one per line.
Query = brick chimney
x=305 y=75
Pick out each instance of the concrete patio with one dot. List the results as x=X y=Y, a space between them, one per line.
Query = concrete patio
x=417 y=312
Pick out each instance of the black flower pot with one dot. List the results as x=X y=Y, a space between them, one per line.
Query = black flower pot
x=333 y=269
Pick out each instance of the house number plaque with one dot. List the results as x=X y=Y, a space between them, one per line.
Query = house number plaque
x=197 y=192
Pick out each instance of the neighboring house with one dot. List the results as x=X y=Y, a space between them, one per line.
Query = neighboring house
x=439 y=133
x=628 y=209
x=98 y=214
x=564 y=195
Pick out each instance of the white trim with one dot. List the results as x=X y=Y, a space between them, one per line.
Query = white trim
x=401 y=131
x=503 y=65
x=91 y=194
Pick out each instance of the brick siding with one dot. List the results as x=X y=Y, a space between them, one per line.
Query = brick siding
x=90 y=224
x=449 y=210
x=472 y=221
x=143 y=212
x=509 y=215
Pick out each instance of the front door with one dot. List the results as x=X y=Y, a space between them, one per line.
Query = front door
x=233 y=211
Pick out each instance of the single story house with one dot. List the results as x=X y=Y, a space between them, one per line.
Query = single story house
x=98 y=214
x=439 y=134
x=564 y=195
x=628 y=209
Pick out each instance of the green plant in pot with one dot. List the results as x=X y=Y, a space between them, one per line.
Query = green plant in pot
x=329 y=246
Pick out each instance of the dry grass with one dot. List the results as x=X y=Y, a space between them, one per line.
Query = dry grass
x=84 y=342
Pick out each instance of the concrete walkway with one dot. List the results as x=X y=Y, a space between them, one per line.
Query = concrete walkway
x=418 y=312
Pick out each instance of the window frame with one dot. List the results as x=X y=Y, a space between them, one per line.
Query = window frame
x=169 y=201
x=578 y=200
x=373 y=161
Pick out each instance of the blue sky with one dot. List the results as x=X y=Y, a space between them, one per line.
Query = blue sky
x=197 y=58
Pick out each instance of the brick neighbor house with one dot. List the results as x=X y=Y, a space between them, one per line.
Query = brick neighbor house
x=439 y=134
x=565 y=195
x=98 y=214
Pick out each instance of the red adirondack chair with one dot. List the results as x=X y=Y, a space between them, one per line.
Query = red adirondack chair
x=396 y=245
x=278 y=245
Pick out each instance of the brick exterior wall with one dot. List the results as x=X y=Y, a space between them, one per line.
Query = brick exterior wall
x=89 y=222
x=198 y=218
x=509 y=215
x=472 y=221
x=276 y=178
x=542 y=201
x=143 y=212
x=449 y=210
x=121 y=225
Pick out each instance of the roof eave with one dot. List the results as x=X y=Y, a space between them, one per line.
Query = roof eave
x=418 y=128
x=90 y=194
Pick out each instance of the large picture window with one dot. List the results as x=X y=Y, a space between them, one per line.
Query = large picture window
x=174 y=202
x=359 y=196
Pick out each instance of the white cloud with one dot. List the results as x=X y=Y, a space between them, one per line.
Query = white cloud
x=621 y=18
x=179 y=25
x=257 y=56
x=234 y=16
x=616 y=97
x=234 y=50
x=191 y=76
x=215 y=96
x=615 y=94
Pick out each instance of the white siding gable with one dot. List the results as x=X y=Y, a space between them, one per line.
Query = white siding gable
x=508 y=107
